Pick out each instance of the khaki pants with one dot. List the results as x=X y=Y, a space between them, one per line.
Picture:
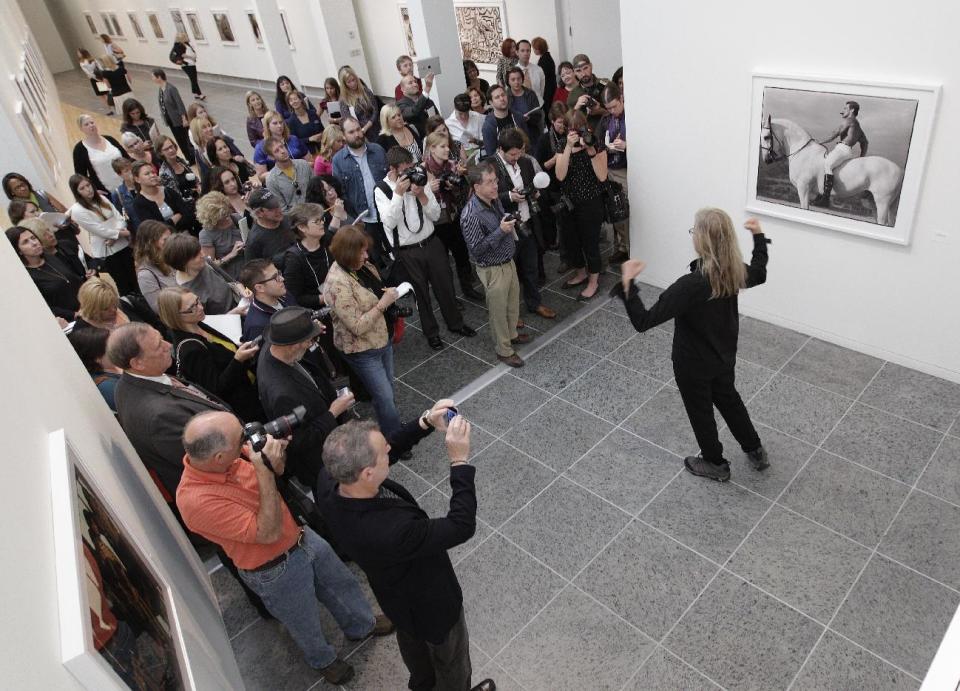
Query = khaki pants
x=503 y=302
x=621 y=230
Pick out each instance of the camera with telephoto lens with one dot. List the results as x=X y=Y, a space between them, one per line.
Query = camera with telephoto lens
x=281 y=428
x=586 y=137
x=417 y=175
x=565 y=205
x=452 y=178
x=530 y=194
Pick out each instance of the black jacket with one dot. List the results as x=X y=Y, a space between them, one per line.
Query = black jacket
x=403 y=552
x=82 y=165
x=304 y=272
x=146 y=209
x=505 y=185
x=153 y=416
x=549 y=68
x=706 y=330
x=59 y=294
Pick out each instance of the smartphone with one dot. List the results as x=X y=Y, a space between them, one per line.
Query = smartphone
x=258 y=340
x=451 y=413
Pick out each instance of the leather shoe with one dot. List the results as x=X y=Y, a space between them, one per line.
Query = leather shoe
x=382 y=626
x=545 y=312
x=465 y=331
x=512 y=360
x=337 y=672
x=521 y=339
x=435 y=343
x=485 y=685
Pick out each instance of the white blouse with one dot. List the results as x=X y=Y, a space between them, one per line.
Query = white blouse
x=101 y=230
x=101 y=163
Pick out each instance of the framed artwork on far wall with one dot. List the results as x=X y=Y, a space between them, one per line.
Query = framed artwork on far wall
x=222 y=21
x=108 y=27
x=153 y=20
x=407 y=31
x=481 y=26
x=119 y=626
x=255 y=28
x=135 y=23
x=286 y=30
x=179 y=27
x=117 y=31
x=193 y=21
x=842 y=154
x=93 y=27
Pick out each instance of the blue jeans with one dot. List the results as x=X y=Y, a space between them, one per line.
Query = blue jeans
x=375 y=369
x=293 y=589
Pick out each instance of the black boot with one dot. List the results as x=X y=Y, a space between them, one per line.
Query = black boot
x=824 y=199
x=465 y=275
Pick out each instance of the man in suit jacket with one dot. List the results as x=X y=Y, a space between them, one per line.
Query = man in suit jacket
x=402 y=551
x=174 y=113
x=515 y=172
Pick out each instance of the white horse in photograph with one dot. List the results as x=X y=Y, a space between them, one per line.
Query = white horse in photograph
x=784 y=139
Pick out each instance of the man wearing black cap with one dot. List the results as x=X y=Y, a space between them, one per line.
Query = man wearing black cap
x=270 y=235
x=587 y=95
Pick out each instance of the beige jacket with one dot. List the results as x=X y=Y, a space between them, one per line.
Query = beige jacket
x=357 y=323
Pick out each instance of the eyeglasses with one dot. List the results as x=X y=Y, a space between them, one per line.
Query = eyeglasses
x=192 y=308
x=275 y=277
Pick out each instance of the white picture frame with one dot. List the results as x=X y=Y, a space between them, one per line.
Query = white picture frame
x=90 y=23
x=115 y=23
x=105 y=18
x=481 y=28
x=136 y=26
x=791 y=117
x=286 y=30
x=179 y=24
x=221 y=20
x=196 y=29
x=103 y=573
x=407 y=29
x=153 y=19
x=254 y=23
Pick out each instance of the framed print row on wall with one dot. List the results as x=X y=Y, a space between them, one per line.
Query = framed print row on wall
x=184 y=21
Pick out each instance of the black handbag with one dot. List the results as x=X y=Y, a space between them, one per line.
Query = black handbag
x=615 y=202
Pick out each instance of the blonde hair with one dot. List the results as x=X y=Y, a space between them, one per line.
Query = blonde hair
x=246 y=99
x=168 y=307
x=196 y=128
x=42 y=230
x=96 y=296
x=194 y=107
x=212 y=208
x=182 y=37
x=435 y=139
x=720 y=259
x=359 y=99
x=107 y=62
x=387 y=112
x=271 y=115
x=82 y=117
x=331 y=135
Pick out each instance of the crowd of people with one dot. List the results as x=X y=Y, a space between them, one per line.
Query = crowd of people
x=344 y=199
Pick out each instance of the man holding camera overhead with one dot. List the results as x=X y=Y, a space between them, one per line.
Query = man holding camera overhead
x=228 y=494
x=408 y=209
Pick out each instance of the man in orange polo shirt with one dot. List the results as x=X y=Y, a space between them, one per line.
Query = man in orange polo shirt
x=228 y=494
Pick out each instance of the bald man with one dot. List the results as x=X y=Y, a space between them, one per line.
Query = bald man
x=228 y=494
x=415 y=107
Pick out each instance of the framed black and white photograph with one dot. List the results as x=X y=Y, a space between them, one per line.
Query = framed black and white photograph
x=286 y=30
x=117 y=31
x=93 y=27
x=118 y=622
x=839 y=154
x=108 y=27
x=135 y=24
x=193 y=20
x=255 y=28
x=179 y=27
x=482 y=27
x=407 y=31
x=154 y=22
x=222 y=21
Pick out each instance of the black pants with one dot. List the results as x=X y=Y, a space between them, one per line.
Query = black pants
x=183 y=141
x=452 y=239
x=121 y=270
x=443 y=667
x=191 y=71
x=583 y=235
x=700 y=394
x=427 y=268
x=527 y=258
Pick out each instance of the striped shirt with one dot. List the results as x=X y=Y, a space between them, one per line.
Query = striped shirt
x=480 y=223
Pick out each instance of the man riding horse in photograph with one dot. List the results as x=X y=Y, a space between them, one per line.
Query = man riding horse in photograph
x=850 y=134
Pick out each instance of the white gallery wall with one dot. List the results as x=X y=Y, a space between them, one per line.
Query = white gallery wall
x=688 y=87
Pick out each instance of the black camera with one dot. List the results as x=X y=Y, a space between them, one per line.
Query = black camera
x=586 y=137
x=246 y=187
x=396 y=311
x=563 y=206
x=281 y=428
x=417 y=175
x=509 y=217
x=322 y=313
x=452 y=178
x=590 y=103
x=530 y=193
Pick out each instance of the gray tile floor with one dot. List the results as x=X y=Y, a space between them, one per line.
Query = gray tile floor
x=599 y=564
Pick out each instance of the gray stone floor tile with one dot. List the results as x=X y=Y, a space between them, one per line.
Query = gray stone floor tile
x=411 y=352
x=887 y=444
x=798 y=409
x=502 y=404
x=955 y=428
x=445 y=373
x=565 y=526
x=750 y=378
x=601 y=333
x=664 y=671
x=926 y=536
x=413 y=483
x=833 y=367
x=611 y=391
x=506 y=480
x=849 y=499
x=743 y=638
x=474 y=315
x=563 y=305
x=503 y=588
x=625 y=470
x=803 y=564
x=491 y=670
x=575 y=644
x=766 y=344
x=787 y=455
x=942 y=476
x=377 y=664
x=648 y=353
x=554 y=367
x=431 y=460
x=663 y=420
x=558 y=434
x=710 y=517
x=235 y=608
x=410 y=403
x=837 y=663
x=646 y=578
x=914 y=395
x=480 y=346
x=269 y=659
x=437 y=505
x=898 y=614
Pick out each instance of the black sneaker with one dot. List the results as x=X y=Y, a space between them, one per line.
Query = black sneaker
x=702 y=468
x=758 y=458
x=337 y=672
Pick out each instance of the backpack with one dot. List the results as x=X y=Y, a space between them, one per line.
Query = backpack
x=176 y=55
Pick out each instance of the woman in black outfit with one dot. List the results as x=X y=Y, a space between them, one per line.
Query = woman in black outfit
x=581 y=170
x=156 y=202
x=136 y=120
x=205 y=357
x=307 y=260
x=56 y=281
x=704 y=305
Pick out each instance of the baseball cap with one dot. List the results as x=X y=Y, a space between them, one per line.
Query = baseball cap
x=580 y=59
x=262 y=198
